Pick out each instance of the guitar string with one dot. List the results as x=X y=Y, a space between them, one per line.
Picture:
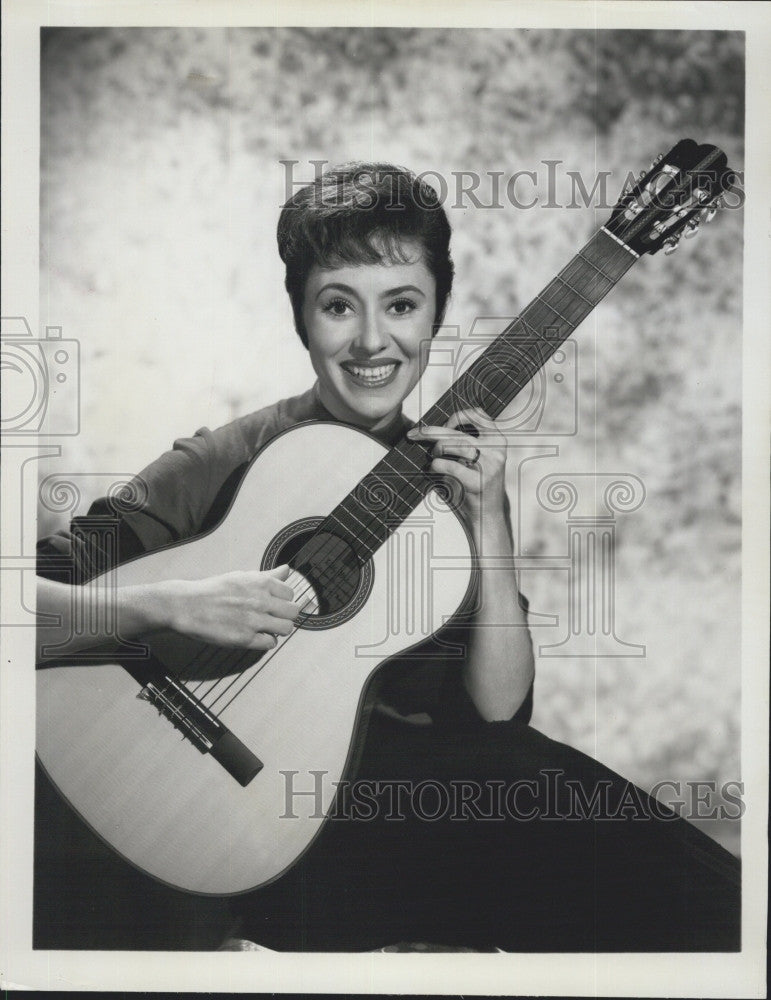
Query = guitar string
x=503 y=380
x=262 y=661
x=616 y=252
x=309 y=591
x=552 y=306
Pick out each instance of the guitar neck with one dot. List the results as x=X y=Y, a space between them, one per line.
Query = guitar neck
x=517 y=354
x=392 y=490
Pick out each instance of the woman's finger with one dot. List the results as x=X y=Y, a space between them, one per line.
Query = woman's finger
x=473 y=416
x=430 y=432
x=444 y=434
x=464 y=452
x=280 y=590
x=468 y=476
x=272 y=625
x=262 y=640
x=281 y=609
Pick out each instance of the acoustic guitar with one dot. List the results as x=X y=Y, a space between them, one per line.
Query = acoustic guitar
x=190 y=761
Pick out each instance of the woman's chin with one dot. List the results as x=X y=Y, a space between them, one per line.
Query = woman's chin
x=372 y=408
x=373 y=417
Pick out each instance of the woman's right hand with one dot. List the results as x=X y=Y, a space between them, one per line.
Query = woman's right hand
x=247 y=608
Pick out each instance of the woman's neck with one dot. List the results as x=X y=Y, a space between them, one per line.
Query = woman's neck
x=378 y=427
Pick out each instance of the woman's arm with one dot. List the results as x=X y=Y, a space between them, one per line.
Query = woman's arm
x=499 y=665
x=247 y=609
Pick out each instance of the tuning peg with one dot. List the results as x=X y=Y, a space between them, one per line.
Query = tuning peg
x=670 y=245
x=691 y=228
x=657 y=161
x=709 y=212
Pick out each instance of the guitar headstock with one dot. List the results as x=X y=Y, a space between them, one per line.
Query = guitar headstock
x=681 y=189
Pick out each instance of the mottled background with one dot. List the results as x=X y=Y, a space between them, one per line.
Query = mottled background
x=161 y=184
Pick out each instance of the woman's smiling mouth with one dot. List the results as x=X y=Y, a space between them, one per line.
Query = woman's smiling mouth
x=371 y=375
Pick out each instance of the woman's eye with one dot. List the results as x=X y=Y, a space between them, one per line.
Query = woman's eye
x=402 y=306
x=338 y=307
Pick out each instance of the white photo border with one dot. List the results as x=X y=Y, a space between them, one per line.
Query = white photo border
x=705 y=975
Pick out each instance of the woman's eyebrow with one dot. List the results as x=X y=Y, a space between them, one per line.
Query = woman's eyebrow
x=340 y=287
x=401 y=290
x=337 y=287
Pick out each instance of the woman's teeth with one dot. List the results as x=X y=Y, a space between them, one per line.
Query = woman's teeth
x=372 y=376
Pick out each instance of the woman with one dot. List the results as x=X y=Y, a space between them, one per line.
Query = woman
x=512 y=853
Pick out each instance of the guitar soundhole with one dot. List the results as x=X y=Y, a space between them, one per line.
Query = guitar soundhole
x=339 y=585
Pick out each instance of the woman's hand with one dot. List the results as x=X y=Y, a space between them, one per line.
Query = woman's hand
x=478 y=462
x=244 y=608
x=247 y=609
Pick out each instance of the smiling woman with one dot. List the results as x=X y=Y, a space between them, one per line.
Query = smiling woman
x=366 y=328
x=368 y=334
x=369 y=273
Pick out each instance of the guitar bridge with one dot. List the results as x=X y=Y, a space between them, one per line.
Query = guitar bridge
x=203 y=729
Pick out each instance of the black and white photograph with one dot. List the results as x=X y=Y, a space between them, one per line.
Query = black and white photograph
x=385 y=592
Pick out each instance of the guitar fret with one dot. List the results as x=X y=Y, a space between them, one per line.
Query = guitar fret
x=414 y=466
x=345 y=526
x=416 y=490
x=510 y=355
x=365 y=526
x=578 y=306
x=509 y=377
x=469 y=374
x=532 y=355
x=598 y=269
x=536 y=334
x=555 y=311
x=574 y=290
x=502 y=370
x=438 y=406
x=396 y=471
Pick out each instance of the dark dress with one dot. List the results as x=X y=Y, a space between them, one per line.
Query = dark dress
x=451 y=830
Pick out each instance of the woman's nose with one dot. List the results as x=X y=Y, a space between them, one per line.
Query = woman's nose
x=371 y=337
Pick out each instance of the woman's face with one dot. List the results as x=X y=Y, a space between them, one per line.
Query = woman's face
x=365 y=325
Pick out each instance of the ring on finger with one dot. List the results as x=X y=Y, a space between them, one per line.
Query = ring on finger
x=469 y=462
x=440 y=451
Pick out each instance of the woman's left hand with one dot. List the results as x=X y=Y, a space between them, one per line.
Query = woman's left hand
x=477 y=461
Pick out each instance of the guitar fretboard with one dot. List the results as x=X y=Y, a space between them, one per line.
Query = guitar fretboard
x=388 y=494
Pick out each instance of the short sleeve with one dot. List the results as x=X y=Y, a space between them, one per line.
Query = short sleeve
x=167 y=502
x=158 y=507
x=92 y=545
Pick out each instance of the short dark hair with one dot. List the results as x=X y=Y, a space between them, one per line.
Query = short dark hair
x=360 y=213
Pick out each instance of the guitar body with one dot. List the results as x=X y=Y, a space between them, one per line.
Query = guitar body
x=227 y=815
x=176 y=812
